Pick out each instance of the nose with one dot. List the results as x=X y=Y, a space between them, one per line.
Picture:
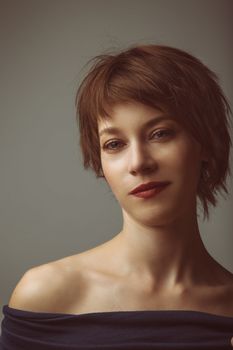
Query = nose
x=141 y=160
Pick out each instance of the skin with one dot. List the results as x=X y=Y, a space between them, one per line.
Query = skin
x=158 y=260
x=159 y=249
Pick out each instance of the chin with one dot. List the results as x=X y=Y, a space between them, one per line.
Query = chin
x=157 y=216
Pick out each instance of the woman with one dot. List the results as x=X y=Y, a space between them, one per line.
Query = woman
x=154 y=124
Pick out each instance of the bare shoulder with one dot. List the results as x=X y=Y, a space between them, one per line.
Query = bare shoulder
x=48 y=287
x=224 y=293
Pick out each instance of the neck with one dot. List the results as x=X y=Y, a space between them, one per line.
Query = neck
x=169 y=255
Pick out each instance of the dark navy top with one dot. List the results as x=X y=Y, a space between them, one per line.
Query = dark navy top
x=115 y=330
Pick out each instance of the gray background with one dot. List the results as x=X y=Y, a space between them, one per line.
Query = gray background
x=49 y=206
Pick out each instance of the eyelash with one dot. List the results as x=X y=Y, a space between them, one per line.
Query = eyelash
x=166 y=131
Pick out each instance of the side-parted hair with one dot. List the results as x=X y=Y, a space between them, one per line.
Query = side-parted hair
x=168 y=79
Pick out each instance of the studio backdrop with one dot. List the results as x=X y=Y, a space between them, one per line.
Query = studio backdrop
x=50 y=207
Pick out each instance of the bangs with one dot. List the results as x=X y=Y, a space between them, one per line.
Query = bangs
x=112 y=82
x=170 y=80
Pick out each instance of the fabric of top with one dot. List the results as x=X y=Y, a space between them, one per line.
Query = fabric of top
x=115 y=330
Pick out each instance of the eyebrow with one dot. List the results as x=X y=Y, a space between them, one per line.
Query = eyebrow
x=114 y=130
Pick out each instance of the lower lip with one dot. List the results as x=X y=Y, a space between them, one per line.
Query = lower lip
x=150 y=193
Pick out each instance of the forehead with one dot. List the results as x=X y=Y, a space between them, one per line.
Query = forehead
x=131 y=114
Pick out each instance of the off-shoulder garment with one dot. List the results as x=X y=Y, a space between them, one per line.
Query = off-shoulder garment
x=115 y=330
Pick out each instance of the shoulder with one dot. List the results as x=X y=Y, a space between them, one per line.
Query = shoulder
x=46 y=288
x=222 y=294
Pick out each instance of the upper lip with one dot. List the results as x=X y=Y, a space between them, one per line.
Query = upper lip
x=148 y=186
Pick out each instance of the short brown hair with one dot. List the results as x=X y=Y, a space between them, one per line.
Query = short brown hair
x=168 y=79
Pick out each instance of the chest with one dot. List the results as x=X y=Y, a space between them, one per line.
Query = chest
x=107 y=294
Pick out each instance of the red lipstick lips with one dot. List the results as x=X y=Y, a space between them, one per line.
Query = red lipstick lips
x=149 y=186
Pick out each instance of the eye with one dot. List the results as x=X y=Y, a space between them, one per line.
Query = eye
x=110 y=145
x=162 y=133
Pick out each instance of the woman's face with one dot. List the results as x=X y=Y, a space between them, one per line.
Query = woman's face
x=147 y=145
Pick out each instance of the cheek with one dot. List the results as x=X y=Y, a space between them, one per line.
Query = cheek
x=187 y=165
x=111 y=173
x=116 y=176
x=113 y=166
